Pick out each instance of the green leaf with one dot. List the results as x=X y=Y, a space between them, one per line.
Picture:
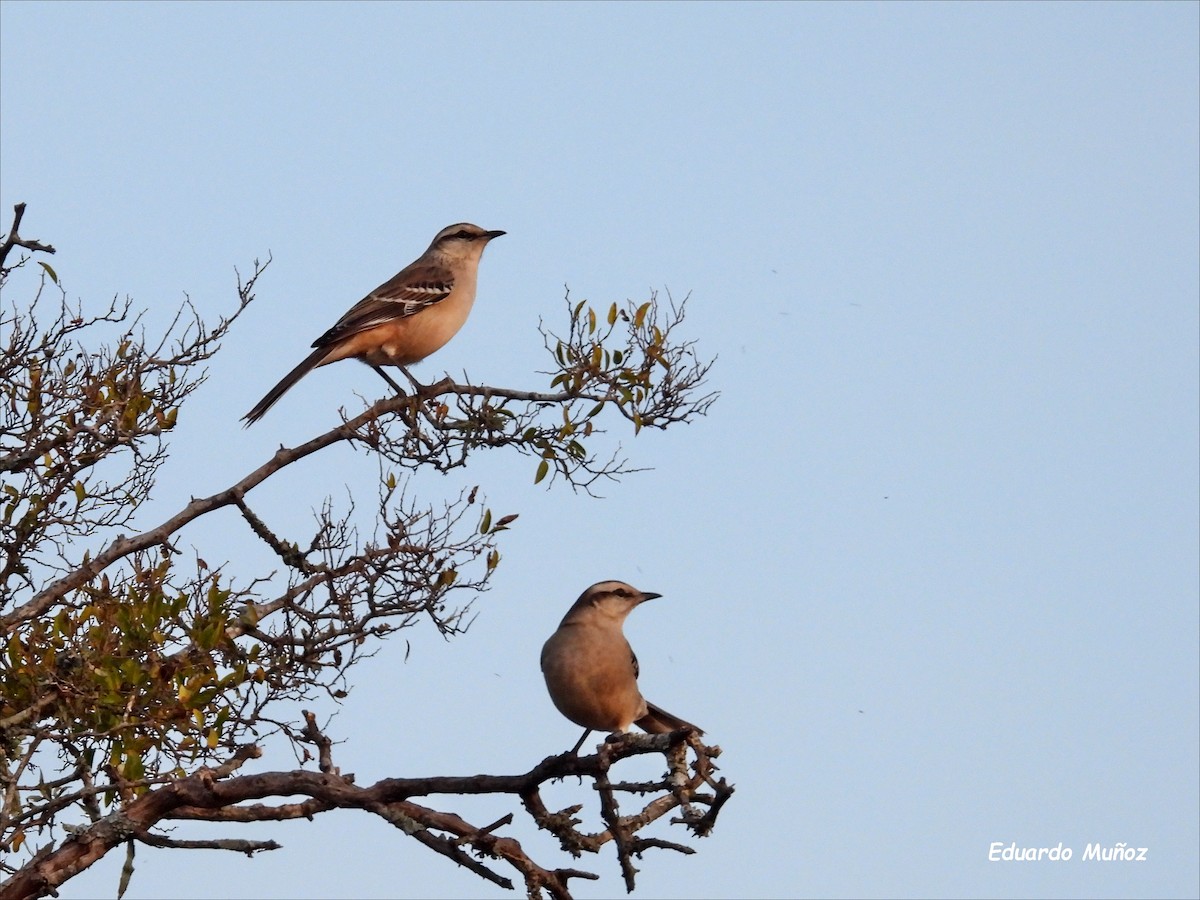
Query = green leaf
x=133 y=769
x=612 y=314
x=49 y=271
x=542 y=469
x=487 y=522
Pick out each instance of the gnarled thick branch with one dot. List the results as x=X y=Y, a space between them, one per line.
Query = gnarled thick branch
x=216 y=795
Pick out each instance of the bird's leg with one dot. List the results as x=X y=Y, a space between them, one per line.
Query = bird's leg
x=579 y=743
x=416 y=385
x=388 y=378
x=427 y=390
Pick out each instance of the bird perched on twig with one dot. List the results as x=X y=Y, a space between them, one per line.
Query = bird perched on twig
x=406 y=318
x=591 y=671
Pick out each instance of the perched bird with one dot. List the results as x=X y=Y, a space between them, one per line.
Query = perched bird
x=406 y=318
x=591 y=671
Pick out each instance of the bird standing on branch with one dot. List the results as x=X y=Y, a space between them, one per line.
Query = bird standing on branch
x=406 y=318
x=591 y=671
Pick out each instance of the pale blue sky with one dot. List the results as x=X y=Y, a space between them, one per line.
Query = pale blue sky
x=947 y=257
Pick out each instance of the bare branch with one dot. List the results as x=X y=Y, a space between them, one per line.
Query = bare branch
x=218 y=796
x=13 y=239
x=238 y=846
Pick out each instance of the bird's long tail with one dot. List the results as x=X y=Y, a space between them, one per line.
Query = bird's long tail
x=313 y=360
x=658 y=721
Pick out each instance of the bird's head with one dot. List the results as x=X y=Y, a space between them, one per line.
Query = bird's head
x=610 y=599
x=462 y=241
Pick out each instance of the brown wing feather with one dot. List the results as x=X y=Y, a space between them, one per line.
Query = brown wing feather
x=406 y=294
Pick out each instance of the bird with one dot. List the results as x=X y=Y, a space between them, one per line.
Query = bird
x=405 y=319
x=591 y=671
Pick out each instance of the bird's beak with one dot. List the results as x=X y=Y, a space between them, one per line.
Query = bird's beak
x=649 y=595
x=494 y=234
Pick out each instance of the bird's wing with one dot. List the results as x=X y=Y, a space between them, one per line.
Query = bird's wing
x=637 y=669
x=404 y=295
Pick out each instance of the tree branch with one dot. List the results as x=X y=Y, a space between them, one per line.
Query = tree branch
x=13 y=239
x=238 y=846
x=216 y=795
